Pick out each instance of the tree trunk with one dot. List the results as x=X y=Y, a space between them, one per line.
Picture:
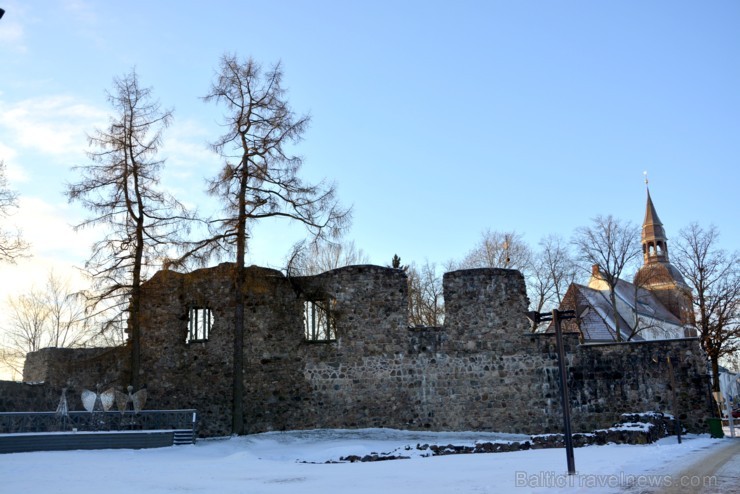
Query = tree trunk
x=135 y=309
x=135 y=336
x=237 y=409
x=715 y=371
x=135 y=314
x=237 y=412
x=613 y=299
x=138 y=214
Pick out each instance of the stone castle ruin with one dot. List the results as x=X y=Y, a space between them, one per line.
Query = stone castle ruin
x=335 y=351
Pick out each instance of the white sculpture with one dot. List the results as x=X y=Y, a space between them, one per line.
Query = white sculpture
x=136 y=399
x=98 y=401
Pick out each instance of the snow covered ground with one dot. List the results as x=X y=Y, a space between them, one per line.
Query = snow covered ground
x=294 y=462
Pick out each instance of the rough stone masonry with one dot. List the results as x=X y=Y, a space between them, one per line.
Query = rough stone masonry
x=483 y=370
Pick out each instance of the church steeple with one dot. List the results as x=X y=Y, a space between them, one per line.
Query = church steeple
x=657 y=273
x=654 y=241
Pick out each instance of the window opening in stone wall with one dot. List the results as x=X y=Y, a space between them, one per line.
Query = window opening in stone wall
x=200 y=322
x=318 y=320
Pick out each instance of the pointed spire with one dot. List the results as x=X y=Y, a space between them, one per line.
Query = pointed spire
x=652 y=223
x=657 y=274
x=654 y=241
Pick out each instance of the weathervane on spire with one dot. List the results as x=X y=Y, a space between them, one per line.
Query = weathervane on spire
x=646 y=179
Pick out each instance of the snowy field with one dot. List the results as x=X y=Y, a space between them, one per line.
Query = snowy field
x=295 y=462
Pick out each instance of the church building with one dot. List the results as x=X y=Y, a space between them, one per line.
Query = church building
x=656 y=305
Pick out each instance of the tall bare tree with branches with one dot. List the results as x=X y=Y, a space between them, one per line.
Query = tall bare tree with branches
x=259 y=179
x=310 y=258
x=498 y=250
x=120 y=187
x=552 y=270
x=12 y=245
x=52 y=316
x=25 y=331
x=714 y=276
x=612 y=246
x=426 y=301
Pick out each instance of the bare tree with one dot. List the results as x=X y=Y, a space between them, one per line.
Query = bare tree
x=25 y=333
x=67 y=318
x=50 y=317
x=323 y=255
x=551 y=271
x=12 y=245
x=120 y=188
x=259 y=179
x=612 y=246
x=498 y=250
x=714 y=276
x=426 y=303
x=507 y=250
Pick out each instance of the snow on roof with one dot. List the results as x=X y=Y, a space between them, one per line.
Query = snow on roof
x=596 y=319
x=645 y=301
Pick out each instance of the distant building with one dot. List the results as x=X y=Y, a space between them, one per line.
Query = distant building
x=656 y=305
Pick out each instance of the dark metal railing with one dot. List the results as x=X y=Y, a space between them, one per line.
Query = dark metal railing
x=17 y=422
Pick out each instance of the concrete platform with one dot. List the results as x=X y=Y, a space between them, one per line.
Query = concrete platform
x=64 y=441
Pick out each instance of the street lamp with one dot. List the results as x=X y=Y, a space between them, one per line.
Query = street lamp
x=556 y=316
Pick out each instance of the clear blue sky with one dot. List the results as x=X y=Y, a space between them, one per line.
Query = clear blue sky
x=436 y=120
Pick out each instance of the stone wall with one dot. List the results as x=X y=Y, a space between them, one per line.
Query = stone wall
x=48 y=371
x=636 y=376
x=17 y=397
x=196 y=375
x=483 y=370
x=78 y=367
